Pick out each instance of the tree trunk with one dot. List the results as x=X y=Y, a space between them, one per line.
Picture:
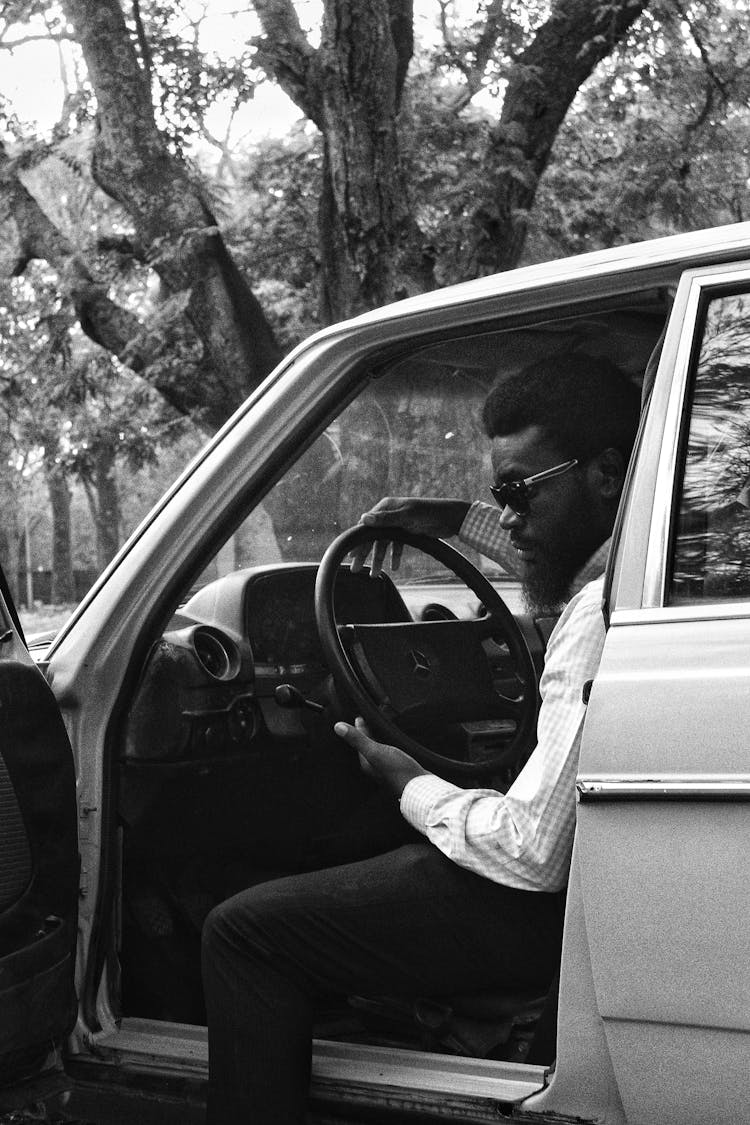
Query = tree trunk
x=370 y=248
x=10 y=524
x=63 y=582
x=541 y=87
x=132 y=163
x=363 y=214
x=351 y=88
x=104 y=504
x=10 y=558
x=108 y=508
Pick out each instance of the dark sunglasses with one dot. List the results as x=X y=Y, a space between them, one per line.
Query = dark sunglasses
x=517 y=494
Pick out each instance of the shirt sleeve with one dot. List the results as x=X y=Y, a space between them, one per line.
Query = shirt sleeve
x=482 y=530
x=524 y=838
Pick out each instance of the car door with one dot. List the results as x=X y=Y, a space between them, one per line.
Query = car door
x=663 y=829
x=38 y=874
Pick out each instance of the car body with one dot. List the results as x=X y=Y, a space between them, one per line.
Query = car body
x=166 y=680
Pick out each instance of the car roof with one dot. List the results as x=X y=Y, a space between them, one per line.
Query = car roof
x=696 y=248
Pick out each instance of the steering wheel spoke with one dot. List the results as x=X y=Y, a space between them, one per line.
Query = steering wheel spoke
x=510 y=708
x=408 y=677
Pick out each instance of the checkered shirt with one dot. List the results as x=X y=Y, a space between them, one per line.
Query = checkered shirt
x=524 y=838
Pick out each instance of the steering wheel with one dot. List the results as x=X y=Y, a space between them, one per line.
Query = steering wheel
x=406 y=676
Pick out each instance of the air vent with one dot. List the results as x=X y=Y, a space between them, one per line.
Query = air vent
x=217 y=654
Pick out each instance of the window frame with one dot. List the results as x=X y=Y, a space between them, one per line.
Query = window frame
x=641 y=571
x=707 y=299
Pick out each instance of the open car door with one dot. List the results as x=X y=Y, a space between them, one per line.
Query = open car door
x=664 y=782
x=38 y=874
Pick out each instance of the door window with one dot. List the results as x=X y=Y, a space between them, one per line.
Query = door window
x=711 y=542
x=415 y=430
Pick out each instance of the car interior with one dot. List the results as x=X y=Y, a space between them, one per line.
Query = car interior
x=228 y=772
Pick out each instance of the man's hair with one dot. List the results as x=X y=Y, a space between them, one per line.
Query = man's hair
x=583 y=403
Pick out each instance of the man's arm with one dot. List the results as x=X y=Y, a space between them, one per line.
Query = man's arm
x=522 y=838
x=478 y=525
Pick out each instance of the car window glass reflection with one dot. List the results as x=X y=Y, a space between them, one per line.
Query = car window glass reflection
x=711 y=557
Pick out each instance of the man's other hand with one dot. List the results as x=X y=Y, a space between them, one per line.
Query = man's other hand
x=387 y=764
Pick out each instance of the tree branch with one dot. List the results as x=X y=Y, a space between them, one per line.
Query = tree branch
x=541 y=87
x=143 y=43
x=402 y=32
x=697 y=38
x=471 y=60
x=286 y=56
x=23 y=40
x=105 y=322
x=133 y=164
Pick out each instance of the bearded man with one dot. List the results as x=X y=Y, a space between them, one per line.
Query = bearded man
x=475 y=904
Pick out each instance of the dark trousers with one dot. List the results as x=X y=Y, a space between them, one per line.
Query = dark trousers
x=408 y=923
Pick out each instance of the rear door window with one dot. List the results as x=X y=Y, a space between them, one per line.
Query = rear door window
x=711 y=540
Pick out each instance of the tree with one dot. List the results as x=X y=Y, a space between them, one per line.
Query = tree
x=11 y=507
x=371 y=248
x=132 y=163
x=542 y=82
x=173 y=229
x=619 y=119
x=351 y=87
x=383 y=229
x=657 y=142
x=272 y=229
x=61 y=564
x=74 y=418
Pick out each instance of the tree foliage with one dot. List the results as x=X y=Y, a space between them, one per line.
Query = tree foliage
x=521 y=131
x=74 y=419
x=658 y=141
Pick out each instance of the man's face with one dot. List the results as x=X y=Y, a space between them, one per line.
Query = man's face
x=558 y=534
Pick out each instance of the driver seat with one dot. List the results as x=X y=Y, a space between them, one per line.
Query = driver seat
x=511 y=1025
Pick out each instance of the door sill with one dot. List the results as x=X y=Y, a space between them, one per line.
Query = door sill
x=356 y=1075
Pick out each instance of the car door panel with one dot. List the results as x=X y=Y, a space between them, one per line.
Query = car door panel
x=673 y=840
x=664 y=777
x=38 y=868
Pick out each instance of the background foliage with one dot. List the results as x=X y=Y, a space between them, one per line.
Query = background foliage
x=109 y=375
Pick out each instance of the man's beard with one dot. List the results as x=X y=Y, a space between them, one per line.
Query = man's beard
x=545 y=590
x=546 y=585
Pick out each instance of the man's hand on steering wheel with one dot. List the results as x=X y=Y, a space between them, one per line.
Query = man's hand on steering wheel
x=405 y=677
x=437 y=517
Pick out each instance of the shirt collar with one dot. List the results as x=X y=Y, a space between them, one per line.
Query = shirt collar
x=593 y=568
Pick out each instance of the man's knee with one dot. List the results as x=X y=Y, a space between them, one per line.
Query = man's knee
x=219 y=944
x=215 y=928
x=234 y=949
x=251 y=922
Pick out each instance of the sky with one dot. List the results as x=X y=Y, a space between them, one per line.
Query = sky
x=30 y=76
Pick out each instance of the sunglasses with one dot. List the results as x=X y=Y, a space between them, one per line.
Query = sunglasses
x=517 y=494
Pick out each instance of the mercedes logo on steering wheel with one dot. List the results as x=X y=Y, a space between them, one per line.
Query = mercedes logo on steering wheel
x=420 y=665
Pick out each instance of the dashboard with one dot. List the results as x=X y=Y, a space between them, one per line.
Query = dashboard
x=208 y=686
x=279 y=613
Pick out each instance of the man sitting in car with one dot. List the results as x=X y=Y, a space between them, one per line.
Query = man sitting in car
x=477 y=904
